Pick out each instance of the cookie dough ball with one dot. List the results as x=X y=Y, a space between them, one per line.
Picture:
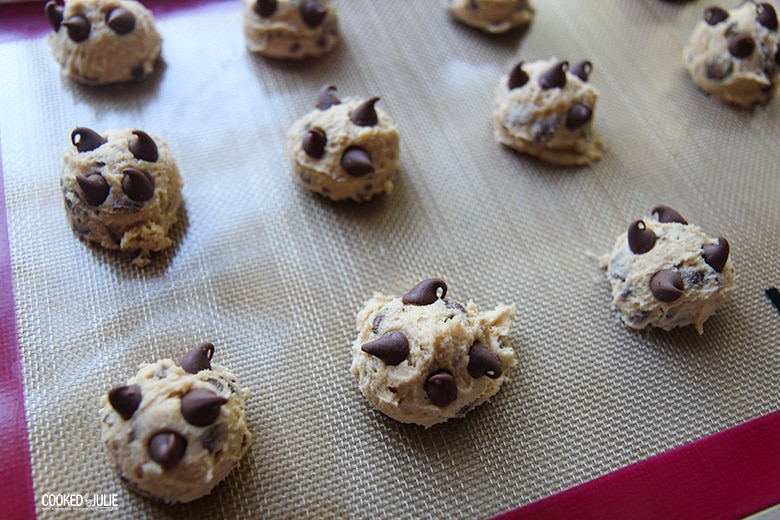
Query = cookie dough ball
x=344 y=150
x=492 y=16
x=667 y=273
x=103 y=41
x=175 y=431
x=294 y=29
x=122 y=190
x=733 y=56
x=424 y=359
x=545 y=109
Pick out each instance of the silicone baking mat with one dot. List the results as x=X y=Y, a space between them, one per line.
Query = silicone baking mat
x=274 y=275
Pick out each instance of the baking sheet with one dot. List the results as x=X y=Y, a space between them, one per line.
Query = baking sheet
x=274 y=276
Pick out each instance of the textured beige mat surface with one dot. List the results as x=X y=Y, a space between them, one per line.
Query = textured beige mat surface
x=274 y=276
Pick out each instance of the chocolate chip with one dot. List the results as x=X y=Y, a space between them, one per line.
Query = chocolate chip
x=200 y=407
x=53 y=12
x=137 y=185
x=483 y=362
x=425 y=292
x=640 y=239
x=197 y=359
x=326 y=98
x=143 y=147
x=667 y=286
x=356 y=162
x=167 y=448
x=380 y=316
x=265 y=8
x=582 y=69
x=555 y=76
x=777 y=54
x=94 y=188
x=741 y=46
x=767 y=16
x=137 y=72
x=714 y=15
x=667 y=214
x=716 y=255
x=121 y=20
x=314 y=143
x=213 y=438
x=85 y=139
x=392 y=348
x=719 y=67
x=441 y=388
x=78 y=28
x=517 y=77
x=544 y=128
x=578 y=115
x=313 y=13
x=125 y=400
x=365 y=114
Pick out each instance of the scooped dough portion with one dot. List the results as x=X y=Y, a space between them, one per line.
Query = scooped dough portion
x=492 y=16
x=103 y=41
x=427 y=360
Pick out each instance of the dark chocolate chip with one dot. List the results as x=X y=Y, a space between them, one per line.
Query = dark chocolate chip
x=640 y=239
x=265 y=8
x=555 y=76
x=125 y=400
x=78 y=27
x=667 y=214
x=86 y=139
x=667 y=286
x=742 y=46
x=121 y=20
x=326 y=98
x=356 y=162
x=53 y=12
x=313 y=13
x=425 y=292
x=582 y=69
x=365 y=114
x=167 y=448
x=578 y=115
x=137 y=185
x=314 y=143
x=213 y=438
x=714 y=15
x=483 y=362
x=517 y=77
x=200 y=407
x=380 y=316
x=441 y=388
x=143 y=147
x=94 y=188
x=392 y=348
x=545 y=127
x=767 y=16
x=719 y=67
x=137 y=72
x=716 y=255
x=197 y=359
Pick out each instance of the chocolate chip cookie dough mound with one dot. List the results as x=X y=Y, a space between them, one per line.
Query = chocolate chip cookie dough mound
x=734 y=56
x=667 y=273
x=175 y=430
x=122 y=190
x=424 y=359
x=293 y=29
x=545 y=109
x=492 y=16
x=103 y=41
x=344 y=150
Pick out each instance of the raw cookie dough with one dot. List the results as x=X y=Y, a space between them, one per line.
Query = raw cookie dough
x=174 y=431
x=103 y=41
x=492 y=16
x=545 y=109
x=667 y=273
x=294 y=29
x=344 y=150
x=122 y=190
x=424 y=359
x=734 y=56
